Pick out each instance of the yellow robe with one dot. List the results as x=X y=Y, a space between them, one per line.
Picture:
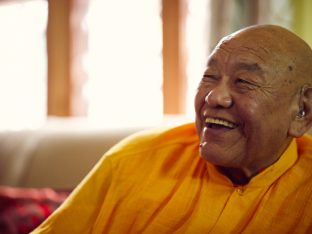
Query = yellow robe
x=156 y=182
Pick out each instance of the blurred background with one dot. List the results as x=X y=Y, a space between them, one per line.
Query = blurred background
x=118 y=63
x=77 y=76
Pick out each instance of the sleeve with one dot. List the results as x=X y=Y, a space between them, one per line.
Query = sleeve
x=78 y=213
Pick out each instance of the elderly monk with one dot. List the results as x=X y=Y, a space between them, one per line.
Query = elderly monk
x=245 y=167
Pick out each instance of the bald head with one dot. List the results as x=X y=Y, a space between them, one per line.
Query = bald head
x=289 y=52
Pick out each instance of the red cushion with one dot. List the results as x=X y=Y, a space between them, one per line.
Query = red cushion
x=23 y=209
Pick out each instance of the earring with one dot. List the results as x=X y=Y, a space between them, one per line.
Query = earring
x=301 y=114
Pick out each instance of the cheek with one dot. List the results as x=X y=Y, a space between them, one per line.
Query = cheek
x=199 y=100
x=198 y=104
x=252 y=112
x=256 y=105
x=251 y=116
x=260 y=118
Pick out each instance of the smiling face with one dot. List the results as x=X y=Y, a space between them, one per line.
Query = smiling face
x=247 y=102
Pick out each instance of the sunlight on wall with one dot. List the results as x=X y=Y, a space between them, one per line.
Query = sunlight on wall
x=197 y=42
x=23 y=64
x=124 y=62
x=302 y=19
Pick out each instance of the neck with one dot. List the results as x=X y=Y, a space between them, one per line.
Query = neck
x=237 y=176
x=242 y=176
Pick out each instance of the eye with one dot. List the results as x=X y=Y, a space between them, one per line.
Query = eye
x=245 y=82
x=242 y=81
x=209 y=77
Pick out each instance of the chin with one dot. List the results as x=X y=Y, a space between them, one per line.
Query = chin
x=215 y=160
x=219 y=158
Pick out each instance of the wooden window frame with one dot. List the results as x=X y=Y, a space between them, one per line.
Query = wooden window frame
x=174 y=56
x=66 y=43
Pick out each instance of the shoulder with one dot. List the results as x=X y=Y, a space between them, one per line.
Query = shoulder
x=155 y=138
x=154 y=149
x=303 y=165
x=304 y=146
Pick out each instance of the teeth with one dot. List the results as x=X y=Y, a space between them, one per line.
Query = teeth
x=220 y=122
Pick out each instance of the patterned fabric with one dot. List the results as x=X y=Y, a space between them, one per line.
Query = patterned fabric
x=22 y=210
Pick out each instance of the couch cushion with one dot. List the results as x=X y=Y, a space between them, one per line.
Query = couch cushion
x=53 y=158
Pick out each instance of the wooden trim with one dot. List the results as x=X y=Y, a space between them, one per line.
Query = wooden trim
x=174 y=65
x=66 y=44
x=58 y=58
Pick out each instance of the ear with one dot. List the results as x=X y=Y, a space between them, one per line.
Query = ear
x=303 y=120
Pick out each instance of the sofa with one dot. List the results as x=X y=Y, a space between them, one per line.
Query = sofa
x=40 y=167
x=57 y=157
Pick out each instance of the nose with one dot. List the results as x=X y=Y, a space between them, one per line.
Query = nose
x=219 y=97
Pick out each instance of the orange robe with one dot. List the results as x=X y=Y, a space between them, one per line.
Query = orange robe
x=156 y=182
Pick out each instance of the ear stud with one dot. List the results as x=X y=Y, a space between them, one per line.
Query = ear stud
x=301 y=114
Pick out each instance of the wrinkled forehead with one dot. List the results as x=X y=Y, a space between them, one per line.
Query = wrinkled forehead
x=250 y=44
x=272 y=47
x=252 y=48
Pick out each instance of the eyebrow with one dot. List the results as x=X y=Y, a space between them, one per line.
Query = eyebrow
x=239 y=66
x=249 y=67
x=253 y=67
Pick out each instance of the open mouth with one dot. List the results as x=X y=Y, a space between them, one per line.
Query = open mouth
x=216 y=123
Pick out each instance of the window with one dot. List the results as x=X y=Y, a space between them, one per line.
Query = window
x=124 y=62
x=197 y=46
x=23 y=64
x=106 y=58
